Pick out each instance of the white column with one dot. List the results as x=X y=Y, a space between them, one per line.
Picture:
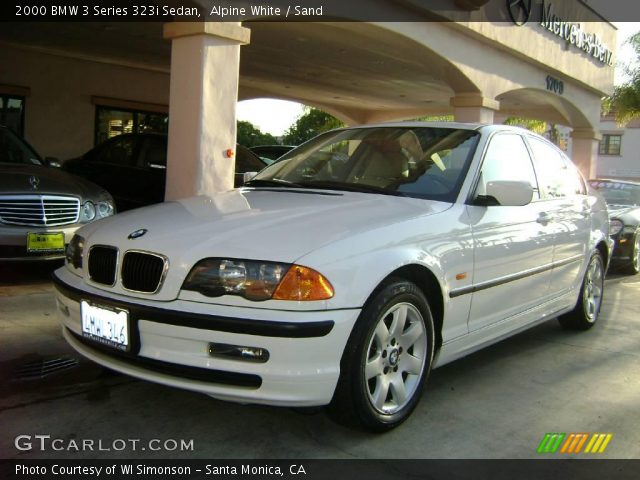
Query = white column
x=474 y=108
x=205 y=62
x=584 y=147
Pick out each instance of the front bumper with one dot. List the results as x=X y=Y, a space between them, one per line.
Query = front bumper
x=13 y=242
x=623 y=250
x=170 y=345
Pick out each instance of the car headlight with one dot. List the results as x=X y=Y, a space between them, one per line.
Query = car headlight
x=615 y=226
x=98 y=207
x=256 y=280
x=105 y=209
x=88 y=211
x=74 y=252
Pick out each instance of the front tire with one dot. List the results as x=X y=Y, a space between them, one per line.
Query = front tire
x=586 y=312
x=387 y=359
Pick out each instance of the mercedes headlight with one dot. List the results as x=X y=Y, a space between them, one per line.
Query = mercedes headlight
x=87 y=211
x=100 y=207
x=255 y=280
x=105 y=206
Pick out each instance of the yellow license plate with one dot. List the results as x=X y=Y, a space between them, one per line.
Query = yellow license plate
x=45 y=242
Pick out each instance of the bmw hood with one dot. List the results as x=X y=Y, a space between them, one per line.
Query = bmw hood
x=17 y=179
x=272 y=225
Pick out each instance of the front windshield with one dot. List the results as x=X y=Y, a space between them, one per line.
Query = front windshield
x=422 y=162
x=618 y=193
x=14 y=150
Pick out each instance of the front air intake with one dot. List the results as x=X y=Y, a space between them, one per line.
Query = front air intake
x=102 y=264
x=143 y=272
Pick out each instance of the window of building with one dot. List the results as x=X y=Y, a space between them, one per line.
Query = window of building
x=12 y=113
x=610 y=144
x=111 y=121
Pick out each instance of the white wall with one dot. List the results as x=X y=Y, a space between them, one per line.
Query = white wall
x=627 y=165
x=60 y=118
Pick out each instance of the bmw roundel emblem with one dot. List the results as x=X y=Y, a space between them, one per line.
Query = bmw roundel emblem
x=137 y=234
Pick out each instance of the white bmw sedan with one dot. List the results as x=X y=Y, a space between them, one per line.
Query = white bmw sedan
x=343 y=273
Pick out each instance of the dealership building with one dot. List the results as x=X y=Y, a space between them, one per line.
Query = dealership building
x=69 y=86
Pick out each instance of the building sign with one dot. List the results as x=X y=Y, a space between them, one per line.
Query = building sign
x=520 y=12
x=573 y=34
x=554 y=85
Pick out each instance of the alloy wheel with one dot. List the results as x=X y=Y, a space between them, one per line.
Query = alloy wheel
x=396 y=358
x=593 y=287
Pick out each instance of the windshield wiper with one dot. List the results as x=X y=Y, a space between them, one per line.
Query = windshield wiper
x=349 y=187
x=323 y=185
x=272 y=182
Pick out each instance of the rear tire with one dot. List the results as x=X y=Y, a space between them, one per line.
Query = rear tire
x=387 y=359
x=586 y=312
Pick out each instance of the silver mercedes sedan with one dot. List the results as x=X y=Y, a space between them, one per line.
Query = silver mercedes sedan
x=41 y=207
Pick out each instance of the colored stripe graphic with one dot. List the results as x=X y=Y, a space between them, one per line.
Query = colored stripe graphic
x=598 y=443
x=551 y=442
x=574 y=443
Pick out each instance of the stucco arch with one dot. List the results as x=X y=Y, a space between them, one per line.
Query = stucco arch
x=359 y=72
x=538 y=104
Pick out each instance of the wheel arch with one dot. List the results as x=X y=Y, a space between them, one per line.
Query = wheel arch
x=603 y=248
x=428 y=283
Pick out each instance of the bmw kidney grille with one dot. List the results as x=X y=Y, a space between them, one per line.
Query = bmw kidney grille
x=140 y=271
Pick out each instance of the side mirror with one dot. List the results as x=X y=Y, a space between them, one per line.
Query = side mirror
x=52 y=162
x=508 y=193
x=246 y=176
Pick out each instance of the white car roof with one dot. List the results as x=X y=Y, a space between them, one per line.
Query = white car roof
x=485 y=127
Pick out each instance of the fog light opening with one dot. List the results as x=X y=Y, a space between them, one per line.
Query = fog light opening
x=238 y=352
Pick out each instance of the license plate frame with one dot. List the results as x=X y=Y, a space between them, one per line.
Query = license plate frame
x=45 y=242
x=109 y=326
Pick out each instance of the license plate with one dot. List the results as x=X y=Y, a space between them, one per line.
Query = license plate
x=105 y=325
x=45 y=242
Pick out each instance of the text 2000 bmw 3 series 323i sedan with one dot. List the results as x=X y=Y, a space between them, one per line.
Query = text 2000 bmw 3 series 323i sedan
x=343 y=273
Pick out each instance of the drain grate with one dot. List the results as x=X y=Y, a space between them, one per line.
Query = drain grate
x=44 y=367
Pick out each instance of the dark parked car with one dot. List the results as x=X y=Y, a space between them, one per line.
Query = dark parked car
x=41 y=207
x=623 y=198
x=270 y=153
x=132 y=167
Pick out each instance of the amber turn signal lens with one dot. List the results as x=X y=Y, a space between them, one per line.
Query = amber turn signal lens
x=303 y=284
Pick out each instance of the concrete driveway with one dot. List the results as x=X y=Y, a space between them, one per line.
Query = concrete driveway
x=498 y=403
